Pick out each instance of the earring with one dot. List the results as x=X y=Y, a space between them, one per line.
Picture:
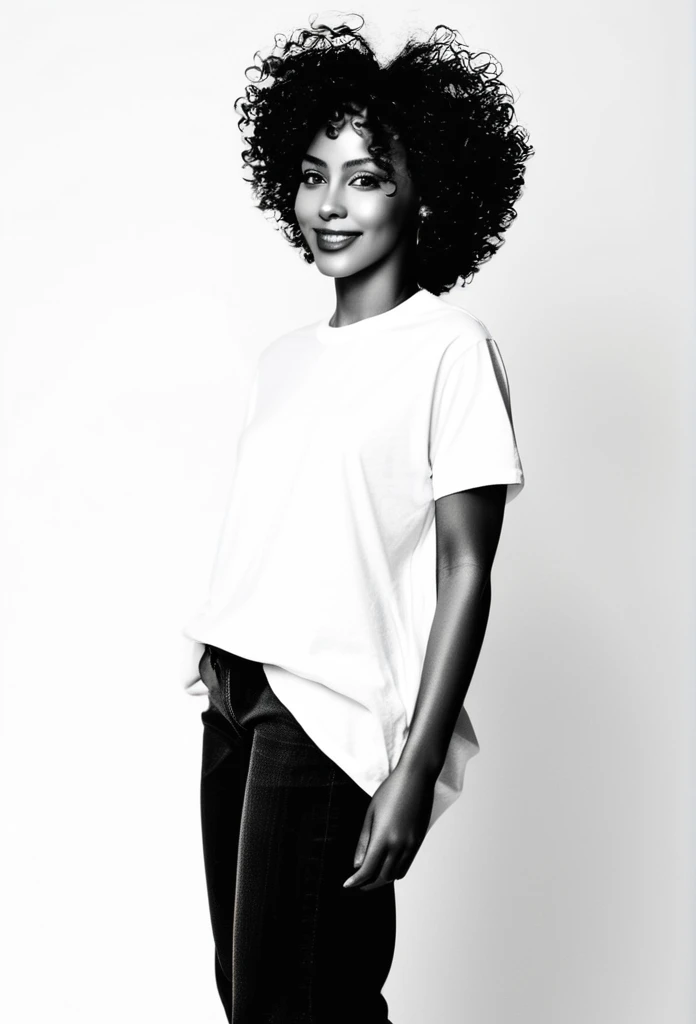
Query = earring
x=423 y=213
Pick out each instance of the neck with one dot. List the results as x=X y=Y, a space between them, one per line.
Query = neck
x=356 y=301
x=360 y=296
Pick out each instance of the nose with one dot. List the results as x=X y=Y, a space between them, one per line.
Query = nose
x=331 y=207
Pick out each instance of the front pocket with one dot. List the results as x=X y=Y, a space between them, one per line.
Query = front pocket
x=216 y=664
x=226 y=687
x=207 y=669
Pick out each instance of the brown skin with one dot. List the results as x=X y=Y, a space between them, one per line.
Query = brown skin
x=468 y=525
x=372 y=275
x=375 y=273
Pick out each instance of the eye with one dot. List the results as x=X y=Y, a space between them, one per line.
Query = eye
x=306 y=175
x=370 y=178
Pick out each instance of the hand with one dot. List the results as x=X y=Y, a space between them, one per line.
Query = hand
x=207 y=670
x=395 y=825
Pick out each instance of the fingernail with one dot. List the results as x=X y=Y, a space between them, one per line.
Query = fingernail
x=348 y=883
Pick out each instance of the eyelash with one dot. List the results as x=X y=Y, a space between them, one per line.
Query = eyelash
x=370 y=177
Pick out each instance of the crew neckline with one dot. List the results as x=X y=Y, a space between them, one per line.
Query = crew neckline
x=329 y=335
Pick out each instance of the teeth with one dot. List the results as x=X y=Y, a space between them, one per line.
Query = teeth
x=336 y=238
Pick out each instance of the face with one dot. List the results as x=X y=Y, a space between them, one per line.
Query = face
x=354 y=199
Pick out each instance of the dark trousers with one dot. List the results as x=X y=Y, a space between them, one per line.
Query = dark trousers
x=280 y=825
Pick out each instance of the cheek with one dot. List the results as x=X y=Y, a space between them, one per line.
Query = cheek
x=384 y=216
x=301 y=205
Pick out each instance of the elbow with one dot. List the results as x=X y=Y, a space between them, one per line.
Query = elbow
x=471 y=578
x=466 y=568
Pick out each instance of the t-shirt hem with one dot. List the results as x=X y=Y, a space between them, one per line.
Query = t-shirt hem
x=447 y=484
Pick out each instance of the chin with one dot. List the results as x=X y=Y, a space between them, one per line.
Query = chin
x=336 y=272
x=331 y=266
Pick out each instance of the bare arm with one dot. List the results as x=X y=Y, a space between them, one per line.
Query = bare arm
x=468 y=526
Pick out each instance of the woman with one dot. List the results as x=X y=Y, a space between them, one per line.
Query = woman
x=351 y=586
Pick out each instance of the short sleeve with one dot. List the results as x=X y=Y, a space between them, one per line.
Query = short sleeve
x=472 y=438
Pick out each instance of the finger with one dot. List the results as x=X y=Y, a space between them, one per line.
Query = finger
x=363 y=839
x=206 y=670
x=370 y=867
x=403 y=863
x=386 y=875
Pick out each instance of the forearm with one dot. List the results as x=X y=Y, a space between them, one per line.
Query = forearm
x=454 y=644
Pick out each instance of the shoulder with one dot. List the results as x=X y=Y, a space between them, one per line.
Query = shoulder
x=462 y=337
x=458 y=329
x=289 y=339
x=277 y=347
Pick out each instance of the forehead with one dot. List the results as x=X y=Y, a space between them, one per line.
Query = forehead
x=351 y=143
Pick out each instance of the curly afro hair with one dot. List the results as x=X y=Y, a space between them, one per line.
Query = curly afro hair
x=464 y=155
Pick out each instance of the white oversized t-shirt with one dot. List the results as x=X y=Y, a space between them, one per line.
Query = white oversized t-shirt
x=325 y=567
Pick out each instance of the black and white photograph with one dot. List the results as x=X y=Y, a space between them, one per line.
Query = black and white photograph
x=348 y=385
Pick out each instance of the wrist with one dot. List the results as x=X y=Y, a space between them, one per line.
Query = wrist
x=423 y=770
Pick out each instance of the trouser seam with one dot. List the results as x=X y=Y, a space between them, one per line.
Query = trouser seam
x=319 y=882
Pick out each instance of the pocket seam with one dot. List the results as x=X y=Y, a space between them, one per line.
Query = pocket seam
x=227 y=696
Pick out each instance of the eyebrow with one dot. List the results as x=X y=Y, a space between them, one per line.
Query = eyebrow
x=348 y=163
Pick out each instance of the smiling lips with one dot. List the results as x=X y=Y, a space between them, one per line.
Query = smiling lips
x=330 y=240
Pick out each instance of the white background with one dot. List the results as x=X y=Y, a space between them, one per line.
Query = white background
x=139 y=284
